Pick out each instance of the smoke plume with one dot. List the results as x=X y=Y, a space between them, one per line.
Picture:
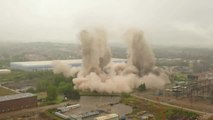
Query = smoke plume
x=99 y=74
x=63 y=68
x=95 y=52
x=139 y=53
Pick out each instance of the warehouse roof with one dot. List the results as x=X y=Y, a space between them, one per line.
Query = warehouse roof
x=49 y=63
x=32 y=63
x=15 y=96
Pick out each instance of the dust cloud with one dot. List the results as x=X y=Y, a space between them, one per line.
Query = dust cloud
x=95 y=52
x=63 y=68
x=100 y=74
x=139 y=53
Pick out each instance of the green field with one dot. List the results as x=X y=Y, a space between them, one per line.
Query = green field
x=4 y=92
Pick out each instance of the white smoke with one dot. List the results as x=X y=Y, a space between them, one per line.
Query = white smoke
x=99 y=74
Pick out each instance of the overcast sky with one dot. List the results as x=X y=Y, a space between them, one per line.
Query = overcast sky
x=164 y=22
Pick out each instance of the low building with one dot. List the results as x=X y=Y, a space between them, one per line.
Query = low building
x=108 y=117
x=67 y=108
x=5 y=71
x=17 y=102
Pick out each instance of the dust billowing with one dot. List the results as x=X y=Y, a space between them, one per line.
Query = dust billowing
x=63 y=68
x=99 y=74
x=95 y=52
x=139 y=53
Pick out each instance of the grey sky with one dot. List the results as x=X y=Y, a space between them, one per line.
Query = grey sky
x=165 y=22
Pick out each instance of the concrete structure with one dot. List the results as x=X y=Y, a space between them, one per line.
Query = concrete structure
x=17 y=102
x=61 y=110
x=108 y=117
x=48 y=65
x=91 y=113
x=67 y=108
x=65 y=117
x=5 y=71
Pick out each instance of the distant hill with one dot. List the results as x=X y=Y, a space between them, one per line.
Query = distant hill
x=35 y=51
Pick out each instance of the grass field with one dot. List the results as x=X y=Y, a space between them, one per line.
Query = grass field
x=4 y=91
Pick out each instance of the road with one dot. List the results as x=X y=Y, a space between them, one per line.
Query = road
x=205 y=115
x=31 y=110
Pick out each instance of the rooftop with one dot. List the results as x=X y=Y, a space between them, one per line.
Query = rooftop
x=15 y=96
x=4 y=70
x=32 y=63
x=73 y=61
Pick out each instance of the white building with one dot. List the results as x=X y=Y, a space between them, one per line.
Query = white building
x=48 y=65
x=5 y=71
x=41 y=65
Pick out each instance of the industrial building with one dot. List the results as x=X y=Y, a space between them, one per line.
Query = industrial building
x=17 y=102
x=61 y=110
x=48 y=65
x=41 y=65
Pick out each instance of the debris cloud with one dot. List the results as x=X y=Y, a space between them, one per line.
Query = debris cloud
x=63 y=68
x=139 y=53
x=100 y=74
x=95 y=52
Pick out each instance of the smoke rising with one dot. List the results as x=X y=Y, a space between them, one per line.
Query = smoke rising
x=139 y=53
x=95 y=52
x=99 y=74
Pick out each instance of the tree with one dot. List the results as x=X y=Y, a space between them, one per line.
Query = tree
x=51 y=92
x=211 y=97
x=42 y=85
x=142 y=87
x=68 y=91
x=31 y=90
x=64 y=87
x=58 y=78
x=74 y=94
